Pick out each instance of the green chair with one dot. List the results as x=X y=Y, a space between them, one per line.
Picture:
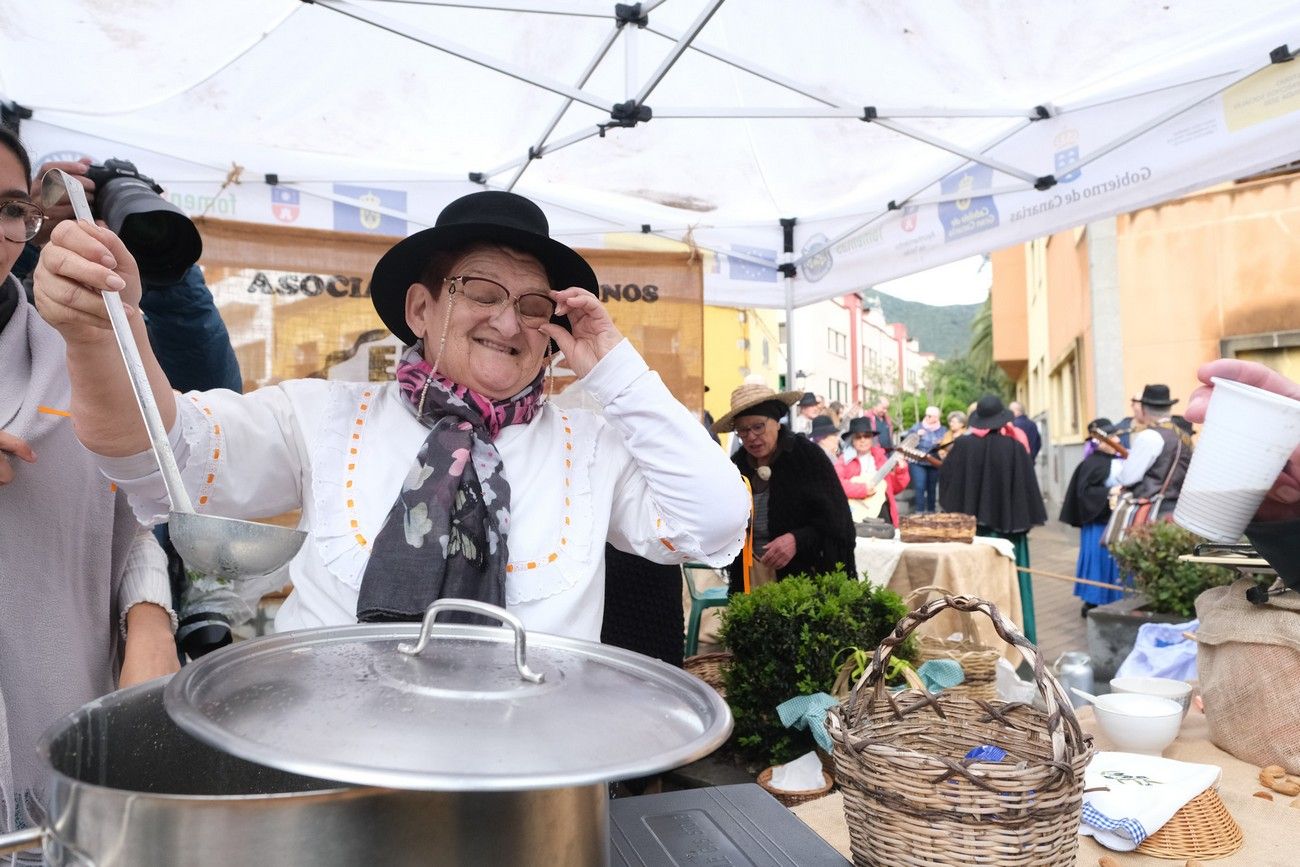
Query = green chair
x=709 y=597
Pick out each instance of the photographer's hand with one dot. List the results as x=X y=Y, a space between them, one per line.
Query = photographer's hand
x=60 y=213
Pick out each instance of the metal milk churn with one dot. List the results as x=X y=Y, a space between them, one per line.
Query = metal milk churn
x=1074 y=669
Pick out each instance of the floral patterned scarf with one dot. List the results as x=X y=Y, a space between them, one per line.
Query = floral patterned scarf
x=445 y=536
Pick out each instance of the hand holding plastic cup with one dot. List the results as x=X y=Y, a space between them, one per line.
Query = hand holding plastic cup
x=1248 y=436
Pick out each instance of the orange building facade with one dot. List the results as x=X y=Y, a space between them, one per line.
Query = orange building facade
x=1084 y=318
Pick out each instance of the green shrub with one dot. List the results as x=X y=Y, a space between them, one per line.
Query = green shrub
x=784 y=638
x=1151 y=554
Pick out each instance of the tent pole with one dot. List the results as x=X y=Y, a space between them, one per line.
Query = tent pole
x=787 y=276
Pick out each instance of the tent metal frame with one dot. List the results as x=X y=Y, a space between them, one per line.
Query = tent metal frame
x=627 y=20
x=635 y=111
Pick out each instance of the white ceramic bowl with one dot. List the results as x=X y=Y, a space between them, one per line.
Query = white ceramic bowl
x=1137 y=723
x=1164 y=687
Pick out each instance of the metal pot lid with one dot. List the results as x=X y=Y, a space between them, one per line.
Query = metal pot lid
x=466 y=708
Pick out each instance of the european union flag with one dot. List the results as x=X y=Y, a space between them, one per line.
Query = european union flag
x=740 y=269
x=348 y=218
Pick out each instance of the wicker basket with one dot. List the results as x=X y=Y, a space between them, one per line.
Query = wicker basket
x=937 y=527
x=794 y=799
x=910 y=797
x=1202 y=829
x=978 y=662
x=710 y=668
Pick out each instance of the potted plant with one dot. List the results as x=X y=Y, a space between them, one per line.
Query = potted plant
x=1166 y=586
x=785 y=639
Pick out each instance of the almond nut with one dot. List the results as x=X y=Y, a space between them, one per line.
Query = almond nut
x=1107 y=861
x=1265 y=795
x=1286 y=787
x=1194 y=863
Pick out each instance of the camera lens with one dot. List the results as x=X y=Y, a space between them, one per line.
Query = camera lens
x=163 y=240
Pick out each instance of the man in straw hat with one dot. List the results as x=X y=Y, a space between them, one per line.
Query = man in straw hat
x=1160 y=450
x=801 y=521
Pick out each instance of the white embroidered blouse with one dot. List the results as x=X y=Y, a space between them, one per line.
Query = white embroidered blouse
x=645 y=476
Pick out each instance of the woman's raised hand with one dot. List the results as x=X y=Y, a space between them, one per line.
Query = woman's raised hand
x=80 y=262
x=594 y=334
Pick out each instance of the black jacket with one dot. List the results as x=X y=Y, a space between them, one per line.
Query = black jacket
x=992 y=478
x=1087 y=499
x=804 y=498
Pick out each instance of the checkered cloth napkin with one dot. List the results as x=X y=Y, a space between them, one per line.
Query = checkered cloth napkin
x=1127 y=797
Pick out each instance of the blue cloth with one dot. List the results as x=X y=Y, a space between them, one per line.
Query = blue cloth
x=1095 y=564
x=809 y=712
x=925 y=482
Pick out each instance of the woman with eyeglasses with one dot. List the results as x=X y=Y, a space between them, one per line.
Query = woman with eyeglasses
x=801 y=521
x=460 y=479
x=84 y=595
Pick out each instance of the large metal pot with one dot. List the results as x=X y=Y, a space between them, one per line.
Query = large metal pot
x=129 y=786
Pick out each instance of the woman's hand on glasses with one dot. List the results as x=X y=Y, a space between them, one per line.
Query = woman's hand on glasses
x=593 y=335
x=80 y=262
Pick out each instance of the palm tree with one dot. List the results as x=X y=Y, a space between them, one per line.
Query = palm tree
x=980 y=353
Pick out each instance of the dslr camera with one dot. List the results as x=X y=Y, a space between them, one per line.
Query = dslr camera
x=164 y=241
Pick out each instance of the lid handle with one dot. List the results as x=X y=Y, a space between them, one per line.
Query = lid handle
x=472 y=607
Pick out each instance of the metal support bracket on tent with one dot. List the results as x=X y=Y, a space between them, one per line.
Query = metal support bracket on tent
x=1281 y=54
x=625 y=114
x=12 y=115
x=625 y=14
x=869 y=114
x=1046 y=182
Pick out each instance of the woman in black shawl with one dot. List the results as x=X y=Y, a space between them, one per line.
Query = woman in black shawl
x=988 y=474
x=1087 y=506
x=801 y=518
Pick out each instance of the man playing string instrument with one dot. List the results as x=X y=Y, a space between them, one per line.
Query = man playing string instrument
x=857 y=474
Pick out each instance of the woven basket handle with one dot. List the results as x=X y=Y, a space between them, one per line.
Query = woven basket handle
x=1058 y=704
x=968 y=631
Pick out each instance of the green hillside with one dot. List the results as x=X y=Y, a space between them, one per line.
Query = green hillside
x=945 y=331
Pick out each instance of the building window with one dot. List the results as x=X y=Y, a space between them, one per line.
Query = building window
x=837 y=389
x=837 y=342
x=1063 y=386
x=767 y=361
x=780 y=334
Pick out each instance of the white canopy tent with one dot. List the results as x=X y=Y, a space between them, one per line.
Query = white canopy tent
x=849 y=142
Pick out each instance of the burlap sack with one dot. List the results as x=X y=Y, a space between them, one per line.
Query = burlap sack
x=1248 y=664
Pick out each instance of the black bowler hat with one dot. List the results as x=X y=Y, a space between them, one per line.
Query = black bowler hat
x=990 y=414
x=822 y=426
x=493 y=217
x=808 y=399
x=1156 y=395
x=861 y=425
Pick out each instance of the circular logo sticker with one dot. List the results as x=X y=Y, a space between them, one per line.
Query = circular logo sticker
x=817 y=261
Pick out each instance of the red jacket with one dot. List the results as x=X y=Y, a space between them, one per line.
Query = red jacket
x=897 y=480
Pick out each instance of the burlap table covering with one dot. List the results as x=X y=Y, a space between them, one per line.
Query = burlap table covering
x=984 y=569
x=1271 y=828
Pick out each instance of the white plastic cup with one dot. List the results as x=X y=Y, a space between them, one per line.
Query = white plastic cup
x=1247 y=438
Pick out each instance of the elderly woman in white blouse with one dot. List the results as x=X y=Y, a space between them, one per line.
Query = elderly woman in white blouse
x=457 y=480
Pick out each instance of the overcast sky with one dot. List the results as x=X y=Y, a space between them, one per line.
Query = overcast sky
x=965 y=281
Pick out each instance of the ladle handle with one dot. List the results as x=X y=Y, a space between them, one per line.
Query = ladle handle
x=474 y=607
x=135 y=371
x=162 y=449
x=21 y=841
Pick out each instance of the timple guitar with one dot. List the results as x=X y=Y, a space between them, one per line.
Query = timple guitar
x=870 y=506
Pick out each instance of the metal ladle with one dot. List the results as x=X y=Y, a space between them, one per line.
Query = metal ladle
x=216 y=546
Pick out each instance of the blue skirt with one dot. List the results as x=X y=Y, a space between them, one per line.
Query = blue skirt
x=1095 y=564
